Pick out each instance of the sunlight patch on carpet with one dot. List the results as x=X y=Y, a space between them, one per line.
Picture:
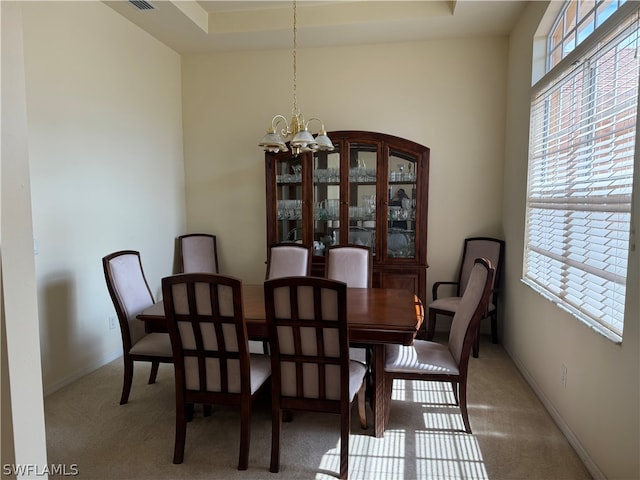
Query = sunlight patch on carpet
x=439 y=393
x=449 y=456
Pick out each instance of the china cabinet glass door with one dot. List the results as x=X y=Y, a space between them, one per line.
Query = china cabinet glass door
x=326 y=200
x=289 y=199
x=363 y=161
x=401 y=208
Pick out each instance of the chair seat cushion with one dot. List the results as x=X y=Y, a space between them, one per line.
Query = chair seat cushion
x=260 y=370
x=450 y=304
x=357 y=371
x=421 y=357
x=155 y=344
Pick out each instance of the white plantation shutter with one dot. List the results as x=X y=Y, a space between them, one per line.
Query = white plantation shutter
x=581 y=153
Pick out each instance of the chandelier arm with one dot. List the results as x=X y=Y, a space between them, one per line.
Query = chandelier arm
x=277 y=120
x=322 y=130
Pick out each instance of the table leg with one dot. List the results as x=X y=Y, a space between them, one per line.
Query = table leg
x=378 y=396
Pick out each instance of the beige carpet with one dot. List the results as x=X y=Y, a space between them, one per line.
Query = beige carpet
x=513 y=435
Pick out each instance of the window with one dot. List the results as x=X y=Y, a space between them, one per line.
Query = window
x=576 y=22
x=581 y=154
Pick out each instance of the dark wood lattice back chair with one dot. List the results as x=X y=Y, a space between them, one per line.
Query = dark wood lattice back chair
x=309 y=341
x=213 y=365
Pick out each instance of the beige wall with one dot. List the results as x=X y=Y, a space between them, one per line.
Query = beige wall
x=23 y=427
x=448 y=95
x=599 y=408
x=105 y=144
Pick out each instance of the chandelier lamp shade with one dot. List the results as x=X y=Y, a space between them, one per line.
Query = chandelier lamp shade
x=297 y=130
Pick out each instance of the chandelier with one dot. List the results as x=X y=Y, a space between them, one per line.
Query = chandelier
x=297 y=130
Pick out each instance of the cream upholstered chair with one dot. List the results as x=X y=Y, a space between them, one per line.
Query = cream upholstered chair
x=130 y=295
x=198 y=253
x=351 y=264
x=311 y=370
x=211 y=355
x=288 y=259
x=474 y=247
x=435 y=362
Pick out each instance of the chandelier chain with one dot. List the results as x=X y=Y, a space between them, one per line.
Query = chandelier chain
x=301 y=139
x=295 y=73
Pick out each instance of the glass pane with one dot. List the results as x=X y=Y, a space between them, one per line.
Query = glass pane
x=289 y=197
x=326 y=200
x=586 y=28
x=570 y=16
x=363 y=159
x=401 y=239
x=586 y=8
x=604 y=11
x=557 y=35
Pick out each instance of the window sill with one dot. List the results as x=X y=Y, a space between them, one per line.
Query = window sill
x=596 y=327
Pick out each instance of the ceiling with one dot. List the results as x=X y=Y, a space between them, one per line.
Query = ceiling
x=205 y=26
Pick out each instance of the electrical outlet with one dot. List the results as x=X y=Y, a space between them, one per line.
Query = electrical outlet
x=563 y=376
x=112 y=322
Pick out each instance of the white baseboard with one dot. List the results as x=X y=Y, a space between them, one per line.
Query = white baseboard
x=49 y=389
x=557 y=418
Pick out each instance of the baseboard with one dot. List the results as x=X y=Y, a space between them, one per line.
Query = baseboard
x=557 y=418
x=49 y=389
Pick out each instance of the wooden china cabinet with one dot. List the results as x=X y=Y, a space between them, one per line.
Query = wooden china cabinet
x=373 y=190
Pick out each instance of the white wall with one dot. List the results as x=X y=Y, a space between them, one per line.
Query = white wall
x=105 y=144
x=599 y=408
x=448 y=95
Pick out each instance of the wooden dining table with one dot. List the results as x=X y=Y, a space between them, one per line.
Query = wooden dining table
x=376 y=317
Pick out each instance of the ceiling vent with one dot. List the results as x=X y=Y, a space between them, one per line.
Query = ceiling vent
x=142 y=5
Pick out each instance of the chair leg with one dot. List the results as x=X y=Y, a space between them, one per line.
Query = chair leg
x=276 y=430
x=476 y=343
x=454 y=387
x=462 y=386
x=154 y=372
x=206 y=410
x=128 y=380
x=494 y=326
x=361 y=405
x=181 y=432
x=344 y=446
x=388 y=390
x=431 y=325
x=245 y=433
x=189 y=412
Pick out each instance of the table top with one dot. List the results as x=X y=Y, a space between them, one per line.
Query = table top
x=375 y=315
